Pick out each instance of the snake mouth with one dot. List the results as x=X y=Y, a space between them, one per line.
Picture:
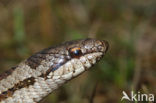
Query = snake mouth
x=76 y=66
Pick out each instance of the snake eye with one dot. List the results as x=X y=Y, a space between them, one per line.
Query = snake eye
x=75 y=52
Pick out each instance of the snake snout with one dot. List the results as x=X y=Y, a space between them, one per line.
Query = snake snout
x=102 y=46
x=105 y=44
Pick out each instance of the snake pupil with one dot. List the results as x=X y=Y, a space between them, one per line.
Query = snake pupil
x=75 y=52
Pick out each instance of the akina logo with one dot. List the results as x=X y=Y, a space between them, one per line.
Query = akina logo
x=137 y=97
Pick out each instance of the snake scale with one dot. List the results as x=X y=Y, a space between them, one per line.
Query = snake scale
x=43 y=72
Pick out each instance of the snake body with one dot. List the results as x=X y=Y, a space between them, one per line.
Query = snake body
x=39 y=75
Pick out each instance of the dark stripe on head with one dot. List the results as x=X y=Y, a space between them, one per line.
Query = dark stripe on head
x=35 y=60
x=53 y=68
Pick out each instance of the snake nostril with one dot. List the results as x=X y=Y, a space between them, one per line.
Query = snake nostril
x=106 y=44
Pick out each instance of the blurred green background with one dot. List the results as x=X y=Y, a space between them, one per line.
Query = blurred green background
x=128 y=25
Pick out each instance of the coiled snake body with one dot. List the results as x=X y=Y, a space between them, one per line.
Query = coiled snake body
x=45 y=71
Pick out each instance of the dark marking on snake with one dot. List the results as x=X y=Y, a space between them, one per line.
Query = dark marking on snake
x=7 y=73
x=53 y=68
x=25 y=83
x=35 y=60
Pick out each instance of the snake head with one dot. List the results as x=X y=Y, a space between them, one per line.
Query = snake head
x=69 y=57
x=79 y=55
x=87 y=51
x=80 y=48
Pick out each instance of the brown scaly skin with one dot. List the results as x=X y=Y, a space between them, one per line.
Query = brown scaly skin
x=45 y=71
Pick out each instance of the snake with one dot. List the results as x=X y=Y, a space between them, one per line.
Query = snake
x=45 y=71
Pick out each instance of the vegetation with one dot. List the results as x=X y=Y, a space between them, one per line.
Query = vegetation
x=128 y=25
